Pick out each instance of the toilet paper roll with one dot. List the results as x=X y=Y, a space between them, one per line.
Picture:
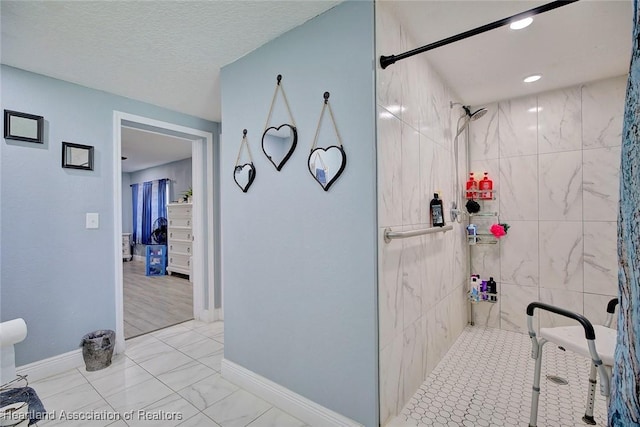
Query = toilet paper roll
x=12 y=332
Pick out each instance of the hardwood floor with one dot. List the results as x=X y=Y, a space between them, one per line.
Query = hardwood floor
x=153 y=302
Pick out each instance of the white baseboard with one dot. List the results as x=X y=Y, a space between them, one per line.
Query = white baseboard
x=205 y=316
x=285 y=399
x=52 y=365
x=210 y=316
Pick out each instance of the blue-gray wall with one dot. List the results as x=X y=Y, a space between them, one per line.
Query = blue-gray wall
x=299 y=264
x=56 y=274
x=178 y=172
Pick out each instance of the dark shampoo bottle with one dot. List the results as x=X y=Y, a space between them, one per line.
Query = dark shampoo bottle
x=437 y=214
x=492 y=289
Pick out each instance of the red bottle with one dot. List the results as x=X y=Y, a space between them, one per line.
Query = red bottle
x=472 y=185
x=486 y=187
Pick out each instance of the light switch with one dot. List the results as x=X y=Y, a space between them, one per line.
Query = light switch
x=93 y=220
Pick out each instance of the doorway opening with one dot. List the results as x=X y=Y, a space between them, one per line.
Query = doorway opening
x=201 y=273
x=157 y=236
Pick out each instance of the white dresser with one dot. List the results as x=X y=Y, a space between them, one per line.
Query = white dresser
x=126 y=247
x=179 y=238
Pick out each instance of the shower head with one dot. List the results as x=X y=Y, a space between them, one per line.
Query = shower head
x=476 y=114
x=469 y=117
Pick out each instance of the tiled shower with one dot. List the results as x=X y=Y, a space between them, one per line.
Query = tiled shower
x=422 y=305
x=554 y=160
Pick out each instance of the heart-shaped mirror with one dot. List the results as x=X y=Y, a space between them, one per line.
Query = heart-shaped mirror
x=244 y=175
x=327 y=164
x=278 y=143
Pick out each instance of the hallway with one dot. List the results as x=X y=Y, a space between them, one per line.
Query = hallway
x=153 y=302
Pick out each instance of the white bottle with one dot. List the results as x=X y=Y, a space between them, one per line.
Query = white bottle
x=474 y=288
x=472 y=234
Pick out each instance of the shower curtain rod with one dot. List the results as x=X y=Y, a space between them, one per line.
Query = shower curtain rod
x=385 y=61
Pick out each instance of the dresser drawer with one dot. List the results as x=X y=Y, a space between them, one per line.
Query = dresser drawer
x=179 y=211
x=179 y=234
x=180 y=222
x=180 y=248
x=180 y=261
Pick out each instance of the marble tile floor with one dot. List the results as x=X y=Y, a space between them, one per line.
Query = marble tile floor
x=153 y=302
x=485 y=380
x=170 y=377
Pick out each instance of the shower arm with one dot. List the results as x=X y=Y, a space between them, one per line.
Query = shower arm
x=385 y=61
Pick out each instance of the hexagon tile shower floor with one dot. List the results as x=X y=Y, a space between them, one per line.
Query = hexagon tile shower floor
x=485 y=380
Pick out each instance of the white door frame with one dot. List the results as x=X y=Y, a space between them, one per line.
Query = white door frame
x=202 y=146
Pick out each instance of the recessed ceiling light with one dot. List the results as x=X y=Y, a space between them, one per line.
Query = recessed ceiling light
x=522 y=23
x=533 y=78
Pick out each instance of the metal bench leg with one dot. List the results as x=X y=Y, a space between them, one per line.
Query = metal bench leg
x=535 y=392
x=609 y=373
x=588 y=415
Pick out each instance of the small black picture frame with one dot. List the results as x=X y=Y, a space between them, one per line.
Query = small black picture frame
x=77 y=156
x=23 y=126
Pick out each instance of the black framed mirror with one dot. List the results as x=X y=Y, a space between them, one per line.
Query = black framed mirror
x=278 y=144
x=326 y=165
x=23 y=126
x=244 y=175
x=77 y=156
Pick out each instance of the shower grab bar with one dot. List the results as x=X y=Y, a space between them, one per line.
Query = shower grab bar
x=389 y=235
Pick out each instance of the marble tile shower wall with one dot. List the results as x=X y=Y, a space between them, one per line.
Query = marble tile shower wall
x=555 y=162
x=422 y=307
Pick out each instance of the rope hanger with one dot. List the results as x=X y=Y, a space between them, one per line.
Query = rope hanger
x=244 y=144
x=333 y=120
x=279 y=88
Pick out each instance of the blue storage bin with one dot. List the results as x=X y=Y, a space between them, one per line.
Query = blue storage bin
x=156 y=260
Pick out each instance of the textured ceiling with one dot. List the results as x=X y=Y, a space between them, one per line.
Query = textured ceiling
x=169 y=53
x=166 y=53
x=144 y=149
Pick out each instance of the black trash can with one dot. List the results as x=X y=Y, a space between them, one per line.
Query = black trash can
x=97 y=349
